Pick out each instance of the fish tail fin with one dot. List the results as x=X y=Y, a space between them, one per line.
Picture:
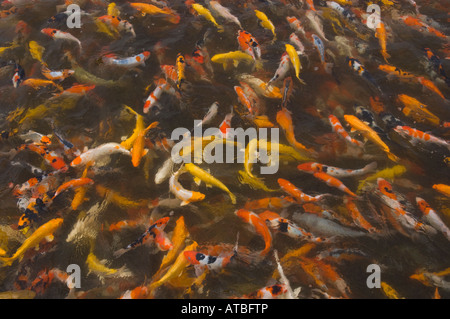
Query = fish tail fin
x=301 y=81
x=393 y=157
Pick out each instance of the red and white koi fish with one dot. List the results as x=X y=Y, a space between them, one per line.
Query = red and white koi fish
x=301 y=197
x=186 y=196
x=313 y=167
x=76 y=89
x=130 y=62
x=296 y=25
x=243 y=98
x=432 y=217
x=259 y=226
x=333 y=182
x=418 y=24
x=155 y=233
x=418 y=135
x=398 y=213
x=170 y=71
x=357 y=217
x=287 y=227
x=51 y=157
x=58 y=34
x=75 y=183
x=94 y=154
x=214 y=258
x=270 y=203
x=276 y=291
x=339 y=129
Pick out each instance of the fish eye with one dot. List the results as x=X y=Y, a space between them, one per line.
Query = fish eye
x=387 y=189
x=199 y=256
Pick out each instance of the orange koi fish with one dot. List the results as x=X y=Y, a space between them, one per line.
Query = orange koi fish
x=249 y=45
x=57 y=162
x=357 y=217
x=138 y=151
x=381 y=35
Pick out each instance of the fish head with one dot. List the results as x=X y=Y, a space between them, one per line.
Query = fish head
x=194 y=257
x=49 y=31
x=310 y=167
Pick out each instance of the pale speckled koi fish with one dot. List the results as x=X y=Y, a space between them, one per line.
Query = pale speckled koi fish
x=130 y=62
x=94 y=154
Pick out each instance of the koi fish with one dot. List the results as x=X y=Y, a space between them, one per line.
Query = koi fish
x=359 y=69
x=339 y=129
x=295 y=24
x=155 y=233
x=261 y=87
x=145 y=8
x=418 y=135
x=19 y=76
x=398 y=213
x=266 y=23
x=117 y=24
x=232 y=57
x=181 y=67
x=381 y=35
x=94 y=154
x=430 y=85
x=56 y=75
x=226 y=125
x=201 y=10
x=357 y=217
x=313 y=167
x=370 y=134
x=38 y=83
x=53 y=159
x=333 y=182
x=211 y=262
x=161 y=86
x=295 y=60
x=276 y=291
x=293 y=191
x=316 y=23
x=269 y=203
x=283 y=69
x=248 y=44
x=432 y=217
x=253 y=182
x=443 y=189
x=287 y=227
x=417 y=110
x=224 y=12
x=418 y=24
x=295 y=40
x=45 y=231
x=36 y=50
x=208 y=179
x=138 y=151
x=130 y=62
x=75 y=183
x=284 y=119
x=259 y=226
x=393 y=70
x=186 y=196
x=58 y=34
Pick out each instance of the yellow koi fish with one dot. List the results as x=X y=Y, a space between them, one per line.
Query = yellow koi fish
x=295 y=60
x=201 y=10
x=266 y=23
x=208 y=179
